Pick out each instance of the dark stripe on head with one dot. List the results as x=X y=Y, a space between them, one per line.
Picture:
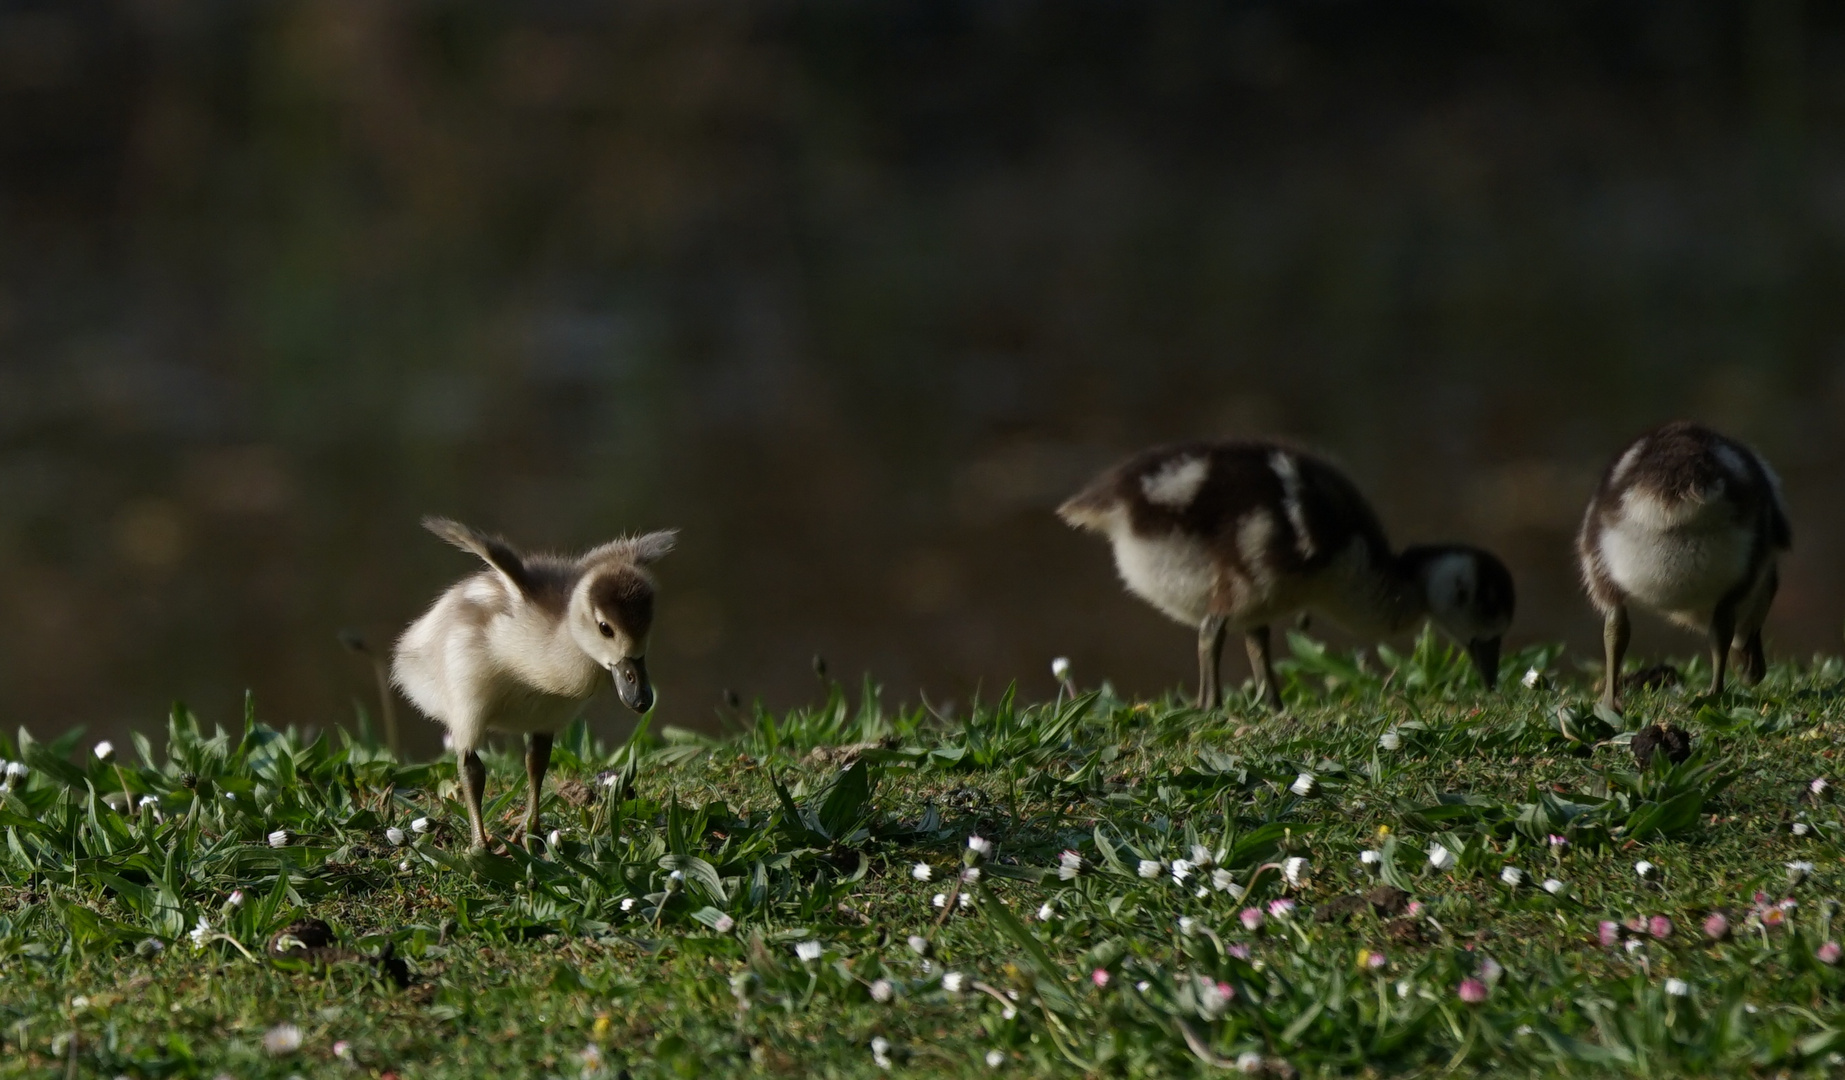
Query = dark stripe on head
x=624 y=596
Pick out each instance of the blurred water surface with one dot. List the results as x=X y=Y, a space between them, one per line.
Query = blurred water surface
x=854 y=294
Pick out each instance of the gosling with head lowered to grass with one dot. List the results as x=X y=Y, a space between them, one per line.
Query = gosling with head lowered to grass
x=1691 y=524
x=1235 y=535
x=521 y=646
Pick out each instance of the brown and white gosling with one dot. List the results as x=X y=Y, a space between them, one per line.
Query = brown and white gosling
x=520 y=647
x=1691 y=524
x=1235 y=535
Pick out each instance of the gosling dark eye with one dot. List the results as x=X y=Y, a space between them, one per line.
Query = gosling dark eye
x=607 y=630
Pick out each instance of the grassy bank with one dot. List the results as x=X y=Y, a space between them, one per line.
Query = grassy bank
x=756 y=903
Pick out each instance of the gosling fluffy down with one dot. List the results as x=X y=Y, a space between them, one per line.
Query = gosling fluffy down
x=521 y=646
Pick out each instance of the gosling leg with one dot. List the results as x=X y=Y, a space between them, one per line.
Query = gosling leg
x=1722 y=635
x=473 y=776
x=1615 y=634
x=537 y=760
x=1262 y=665
x=1210 y=661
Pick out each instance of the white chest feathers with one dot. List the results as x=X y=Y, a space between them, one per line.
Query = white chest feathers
x=1174 y=572
x=1681 y=559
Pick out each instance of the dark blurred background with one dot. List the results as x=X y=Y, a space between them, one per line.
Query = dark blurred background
x=854 y=293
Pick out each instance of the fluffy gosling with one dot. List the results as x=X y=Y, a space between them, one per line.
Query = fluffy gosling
x=521 y=646
x=1222 y=535
x=1691 y=524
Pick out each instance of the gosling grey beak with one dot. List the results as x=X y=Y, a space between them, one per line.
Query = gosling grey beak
x=631 y=683
x=1485 y=654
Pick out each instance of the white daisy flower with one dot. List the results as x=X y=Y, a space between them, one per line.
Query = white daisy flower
x=1440 y=857
x=808 y=950
x=282 y=1039
x=1678 y=988
x=1304 y=785
x=395 y=835
x=953 y=981
x=278 y=838
x=882 y=991
x=995 y=1058
x=1512 y=876
x=1553 y=886
x=105 y=751
x=1180 y=869
x=1390 y=740
x=1060 y=668
x=1644 y=870
x=421 y=825
x=922 y=871
x=1294 y=869
x=1046 y=913
x=1150 y=868
x=980 y=846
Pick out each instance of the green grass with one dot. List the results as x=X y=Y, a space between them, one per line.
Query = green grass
x=590 y=957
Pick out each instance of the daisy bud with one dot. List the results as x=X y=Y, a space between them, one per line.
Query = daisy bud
x=1060 y=668
x=395 y=835
x=1609 y=932
x=1472 y=991
x=1645 y=871
x=980 y=846
x=808 y=950
x=278 y=838
x=1252 y=918
x=940 y=900
x=1046 y=913
x=724 y=924
x=1801 y=828
x=1370 y=858
x=1390 y=740
x=105 y=751
x=1440 y=857
x=1828 y=953
x=1294 y=869
x=1678 y=988
x=1180 y=869
x=552 y=839
x=1223 y=881
x=1150 y=868
x=1069 y=866
x=1660 y=927
x=1798 y=871
x=952 y=981
x=1305 y=785
x=1249 y=1063
x=1512 y=876
x=421 y=825
x=922 y=871
x=971 y=874
x=995 y=1058
x=236 y=899
x=1554 y=887
x=919 y=945
x=1280 y=909
x=1099 y=976
x=882 y=991
x=1717 y=926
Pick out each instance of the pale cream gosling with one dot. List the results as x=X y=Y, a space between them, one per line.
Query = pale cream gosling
x=1239 y=534
x=1691 y=524
x=522 y=646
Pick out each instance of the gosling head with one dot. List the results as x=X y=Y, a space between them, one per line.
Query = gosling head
x=1469 y=594
x=611 y=612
